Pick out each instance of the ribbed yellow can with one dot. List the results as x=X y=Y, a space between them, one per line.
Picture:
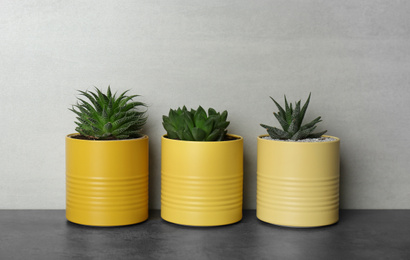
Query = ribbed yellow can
x=202 y=182
x=107 y=181
x=298 y=182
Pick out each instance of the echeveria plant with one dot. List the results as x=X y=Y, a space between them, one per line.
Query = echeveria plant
x=196 y=125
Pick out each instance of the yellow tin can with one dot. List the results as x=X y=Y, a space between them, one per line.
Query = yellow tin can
x=106 y=181
x=202 y=182
x=298 y=182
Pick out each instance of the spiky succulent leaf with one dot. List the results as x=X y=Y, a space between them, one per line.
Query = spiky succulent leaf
x=302 y=134
x=304 y=108
x=288 y=113
x=282 y=121
x=196 y=125
x=316 y=135
x=294 y=123
x=291 y=120
x=281 y=110
x=106 y=117
x=312 y=123
x=276 y=133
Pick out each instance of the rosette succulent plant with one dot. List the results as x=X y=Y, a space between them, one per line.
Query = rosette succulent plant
x=196 y=125
x=108 y=117
x=291 y=121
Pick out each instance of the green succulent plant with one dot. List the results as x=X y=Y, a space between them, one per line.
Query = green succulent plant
x=196 y=125
x=291 y=121
x=108 y=117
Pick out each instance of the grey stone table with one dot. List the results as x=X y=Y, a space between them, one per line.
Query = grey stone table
x=360 y=234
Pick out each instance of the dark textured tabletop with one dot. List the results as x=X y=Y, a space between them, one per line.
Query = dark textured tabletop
x=360 y=234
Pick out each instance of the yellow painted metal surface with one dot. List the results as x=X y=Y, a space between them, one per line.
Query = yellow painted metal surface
x=107 y=181
x=202 y=182
x=298 y=183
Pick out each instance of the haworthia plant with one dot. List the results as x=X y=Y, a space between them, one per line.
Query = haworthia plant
x=291 y=121
x=196 y=125
x=108 y=117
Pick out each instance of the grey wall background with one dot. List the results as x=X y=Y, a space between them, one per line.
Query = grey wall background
x=354 y=56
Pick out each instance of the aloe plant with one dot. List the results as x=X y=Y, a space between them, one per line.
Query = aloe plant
x=291 y=121
x=108 y=117
x=196 y=125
